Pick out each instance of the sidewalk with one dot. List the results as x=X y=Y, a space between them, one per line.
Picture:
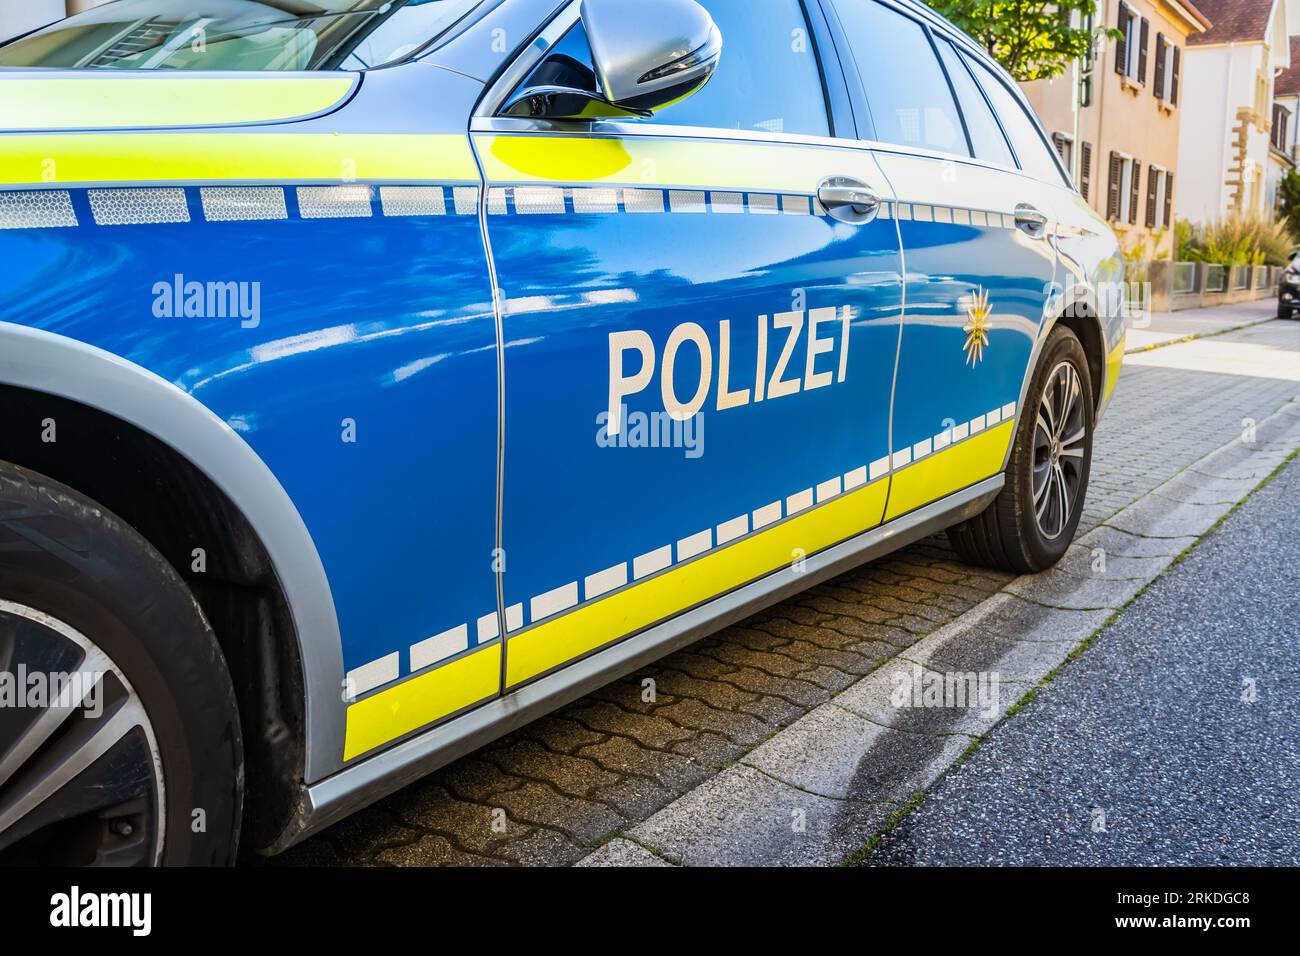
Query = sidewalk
x=1167 y=327
x=1171 y=742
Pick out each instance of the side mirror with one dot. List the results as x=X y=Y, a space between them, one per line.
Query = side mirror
x=646 y=55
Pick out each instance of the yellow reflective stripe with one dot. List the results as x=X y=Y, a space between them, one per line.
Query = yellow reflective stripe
x=592 y=626
x=421 y=700
x=960 y=466
x=652 y=160
x=50 y=159
x=1114 y=364
x=160 y=100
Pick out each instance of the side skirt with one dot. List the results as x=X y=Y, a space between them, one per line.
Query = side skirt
x=358 y=786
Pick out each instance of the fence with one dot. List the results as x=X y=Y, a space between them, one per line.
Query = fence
x=1171 y=286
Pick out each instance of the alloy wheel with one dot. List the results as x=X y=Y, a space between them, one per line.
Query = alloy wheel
x=1060 y=434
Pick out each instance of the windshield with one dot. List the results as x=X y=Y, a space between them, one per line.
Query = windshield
x=238 y=35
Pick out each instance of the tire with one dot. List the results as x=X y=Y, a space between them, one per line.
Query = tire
x=156 y=777
x=1011 y=535
x=1284 y=313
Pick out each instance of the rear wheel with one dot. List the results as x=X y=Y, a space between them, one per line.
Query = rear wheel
x=1284 y=312
x=119 y=734
x=1031 y=523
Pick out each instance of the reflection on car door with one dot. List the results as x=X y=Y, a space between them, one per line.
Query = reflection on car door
x=698 y=358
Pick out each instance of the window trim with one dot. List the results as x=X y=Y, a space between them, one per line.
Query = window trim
x=484 y=117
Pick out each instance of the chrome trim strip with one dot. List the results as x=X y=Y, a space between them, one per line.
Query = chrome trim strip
x=45 y=362
x=361 y=784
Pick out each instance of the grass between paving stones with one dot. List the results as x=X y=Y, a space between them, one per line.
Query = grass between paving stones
x=859 y=856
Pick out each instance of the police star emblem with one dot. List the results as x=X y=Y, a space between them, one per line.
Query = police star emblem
x=978 y=312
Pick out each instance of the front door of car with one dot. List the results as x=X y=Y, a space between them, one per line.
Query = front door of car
x=698 y=357
x=980 y=267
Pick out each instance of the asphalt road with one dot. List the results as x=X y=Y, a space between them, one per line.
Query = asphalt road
x=1151 y=726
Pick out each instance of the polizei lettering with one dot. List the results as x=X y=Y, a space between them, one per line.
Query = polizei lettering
x=791 y=352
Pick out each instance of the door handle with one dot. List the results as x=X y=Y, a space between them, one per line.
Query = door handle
x=848 y=200
x=1030 y=221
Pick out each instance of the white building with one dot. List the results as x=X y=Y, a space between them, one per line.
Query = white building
x=1224 y=160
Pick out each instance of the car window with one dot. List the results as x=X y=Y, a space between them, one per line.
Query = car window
x=986 y=136
x=910 y=101
x=768 y=79
x=266 y=35
x=1036 y=157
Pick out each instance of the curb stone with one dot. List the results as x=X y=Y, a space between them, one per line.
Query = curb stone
x=847 y=765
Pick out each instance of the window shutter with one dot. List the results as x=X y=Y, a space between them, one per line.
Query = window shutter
x=1135 y=194
x=1058 y=140
x=1173 y=83
x=1085 y=170
x=1112 y=198
x=1143 y=35
x=1169 y=200
x=1160 y=66
x=1121 y=45
x=1153 y=179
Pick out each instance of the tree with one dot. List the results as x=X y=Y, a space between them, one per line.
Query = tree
x=1032 y=39
x=1289 y=202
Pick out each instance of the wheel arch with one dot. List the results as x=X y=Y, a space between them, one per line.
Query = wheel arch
x=177 y=472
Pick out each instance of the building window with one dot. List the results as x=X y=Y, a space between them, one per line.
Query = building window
x=1160 y=198
x=1064 y=144
x=1123 y=196
x=1168 y=65
x=1085 y=171
x=1281 y=127
x=1131 y=48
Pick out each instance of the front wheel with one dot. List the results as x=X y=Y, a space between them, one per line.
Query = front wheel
x=1032 y=521
x=119 y=735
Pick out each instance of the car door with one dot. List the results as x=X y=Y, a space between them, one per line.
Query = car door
x=698 y=357
x=979 y=262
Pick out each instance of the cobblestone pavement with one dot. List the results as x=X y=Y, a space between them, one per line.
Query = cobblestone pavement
x=554 y=790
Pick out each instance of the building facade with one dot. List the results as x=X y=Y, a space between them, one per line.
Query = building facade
x=1229 y=161
x=1117 y=117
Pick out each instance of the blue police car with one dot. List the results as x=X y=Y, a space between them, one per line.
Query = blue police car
x=376 y=376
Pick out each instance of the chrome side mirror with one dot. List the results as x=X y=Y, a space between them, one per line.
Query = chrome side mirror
x=646 y=54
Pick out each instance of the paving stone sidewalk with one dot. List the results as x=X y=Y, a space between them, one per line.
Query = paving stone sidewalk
x=581 y=779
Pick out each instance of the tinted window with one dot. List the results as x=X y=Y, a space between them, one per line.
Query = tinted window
x=1036 y=157
x=238 y=34
x=990 y=144
x=767 y=81
x=909 y=97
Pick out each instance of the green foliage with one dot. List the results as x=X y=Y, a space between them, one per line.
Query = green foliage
x=1184 y=241
x=1236 y=240
x=1032 y=39
x=1289 y=202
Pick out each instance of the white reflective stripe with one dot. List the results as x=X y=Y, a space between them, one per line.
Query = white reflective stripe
x=412 y=200
x=553 y=601
x=375 y=674
x=977 y=424
x=960 y=432
x=828 y=489
x=687 y=200
x=728 y=202
x=132 y=207
x=539 y=199
x=439 y=648
x=879 y=468
x=921 y=449
x=497 y=204
x=766 y=515
x=799 y=502
x=901 y=458
x=656 y=560
x=335 y=202
x=514 y=617
x=733 y=529
x=243 y=203
x=36 y=209
x=1009 y=410
x=489 y=627
x=943 y=439
x=465 y=199
x=993 y=417
x=643 y=200
x=692 y=545
x=856 y=478
x=763 y=204
x=595 y=200
x=795 y=205
x=602 y=582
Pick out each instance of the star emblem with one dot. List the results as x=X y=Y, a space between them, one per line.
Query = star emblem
x=978 y=312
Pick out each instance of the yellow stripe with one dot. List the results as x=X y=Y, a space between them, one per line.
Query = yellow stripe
x=159 y=100
x=50 y=159
x=559 y=641
x=1114 y=364
x=952 y=469
x=653 y=161
x=422 y=700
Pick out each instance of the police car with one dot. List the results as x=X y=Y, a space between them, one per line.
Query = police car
x=377 y=376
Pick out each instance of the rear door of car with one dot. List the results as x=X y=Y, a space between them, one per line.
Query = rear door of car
x=698 y=358
x=979 y=260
